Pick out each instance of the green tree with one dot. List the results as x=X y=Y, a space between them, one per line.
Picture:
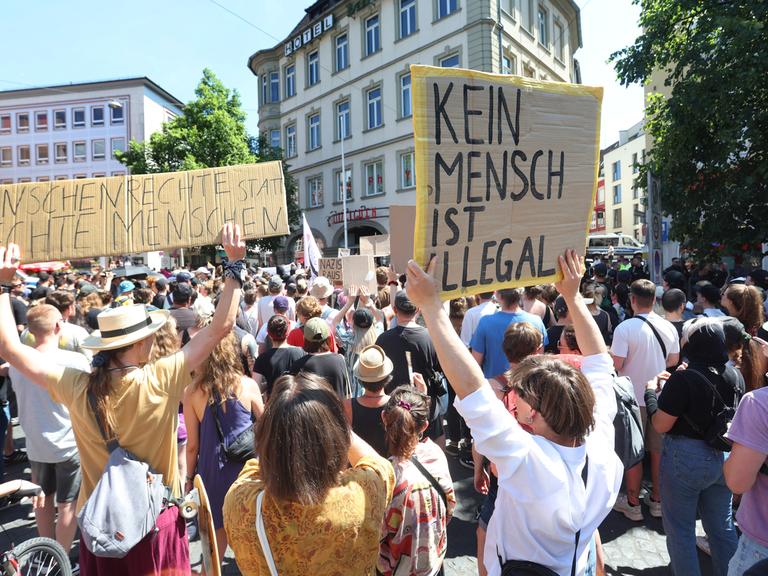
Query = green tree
x=209 y=133
x=710 y=137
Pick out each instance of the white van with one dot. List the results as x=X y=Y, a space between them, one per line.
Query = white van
x=623 y=245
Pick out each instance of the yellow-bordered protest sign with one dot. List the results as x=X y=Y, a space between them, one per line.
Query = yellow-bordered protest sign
x=506 y=172
x=141 y=213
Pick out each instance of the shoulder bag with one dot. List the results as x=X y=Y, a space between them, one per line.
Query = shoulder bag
x=432 y=480
x=262 y=533
x=655 y=333
x=242 y=448
x=526 y=568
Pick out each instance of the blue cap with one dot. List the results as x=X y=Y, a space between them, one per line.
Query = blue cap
x=125 y=286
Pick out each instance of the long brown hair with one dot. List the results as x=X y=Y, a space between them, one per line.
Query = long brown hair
x=405 y=415
x=100 y=384
x=166 y=340
x=749 y=311
x=302 y=439
x=222 y=371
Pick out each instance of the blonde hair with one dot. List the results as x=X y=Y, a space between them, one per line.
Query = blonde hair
x=166 y=340
x=42 y=319
x=93 y=300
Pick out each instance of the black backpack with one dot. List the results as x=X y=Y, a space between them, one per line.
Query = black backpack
x=722 y=415
x=629 y=441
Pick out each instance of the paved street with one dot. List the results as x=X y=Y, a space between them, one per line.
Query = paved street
x=631 y=549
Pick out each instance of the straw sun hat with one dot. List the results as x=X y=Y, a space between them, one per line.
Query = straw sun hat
x=124 y=326
x=373 y=365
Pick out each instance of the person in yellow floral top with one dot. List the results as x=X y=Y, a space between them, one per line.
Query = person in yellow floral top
x=320 y=517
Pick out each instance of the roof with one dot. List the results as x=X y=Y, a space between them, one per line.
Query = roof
x=83 y=86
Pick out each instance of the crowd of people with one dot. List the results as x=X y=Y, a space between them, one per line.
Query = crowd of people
x=321 y=419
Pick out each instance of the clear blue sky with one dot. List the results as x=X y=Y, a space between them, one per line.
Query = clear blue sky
x=171 y=41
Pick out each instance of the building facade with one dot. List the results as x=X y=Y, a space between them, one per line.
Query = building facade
x=624 y=199
x=74 y=130
x=597 y=225
x=335 y=95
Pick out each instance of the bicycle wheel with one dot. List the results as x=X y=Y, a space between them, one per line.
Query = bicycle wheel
x=42 y=557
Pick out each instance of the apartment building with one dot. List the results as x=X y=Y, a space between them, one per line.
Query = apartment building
x=340 y=81
x=74 y=130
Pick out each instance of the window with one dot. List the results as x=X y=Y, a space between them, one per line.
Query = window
x=508 y=64
x=617 y=218
x=451 y=61
x=617 y=194
x=343 y=129
x=446 y=8
x=616 y=170
x=313 y=68
x=406 y=107
x=528 y=72
x=407 y=17
x=98 y=175
x=78 y=151
x=80 y=176
x=639 y=216
x=41 y=151
x=373 y=98
x=60 y=152
x=41 y=121
x=407 y=179
x=6 y=156
x=542 y=19
x=22 y=180
x=315 y=192
x=290 y=141
x=59 y=119
x=526 y=13
x=600 y=195
x=274 y=87
x=635 y=192
x=372 y=35
x=559 y=42
x=119 y=173
x=274 y=138
x=290 y=81
x=117 y=145
x=61 y=177
x=264 y=89
x=314 y=132
x=117 y=114
x=43 y=179
x=97 y=116
x=22 y=122
x=78 y=117
x=342 y=52
x=635 y=165
x=23 y=155
x=5 y=123
x=374 y=178
x=347 y=183
x=6 y=181
x=98 y=149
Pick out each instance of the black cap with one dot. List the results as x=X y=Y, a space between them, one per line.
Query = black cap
x=363 y=318
x=404 y=304
x=182 y=293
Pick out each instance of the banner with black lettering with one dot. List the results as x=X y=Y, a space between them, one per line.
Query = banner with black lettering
x=506 y=172
x=67 y=219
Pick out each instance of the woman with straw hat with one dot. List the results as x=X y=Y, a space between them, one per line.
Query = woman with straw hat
x=136 y=401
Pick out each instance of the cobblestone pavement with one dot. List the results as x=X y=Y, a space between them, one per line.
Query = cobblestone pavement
x=631 y=548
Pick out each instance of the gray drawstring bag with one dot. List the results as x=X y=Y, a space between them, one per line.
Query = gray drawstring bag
x=124 y=506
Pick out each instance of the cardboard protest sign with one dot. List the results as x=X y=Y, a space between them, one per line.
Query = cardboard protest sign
x=402 y=221
x=375 y=245
x=359 y=271
x=344 y=252
x=331 y=269
x=506 y=171
x=67 y=219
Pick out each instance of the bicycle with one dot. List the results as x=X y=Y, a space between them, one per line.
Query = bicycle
x=37 y=556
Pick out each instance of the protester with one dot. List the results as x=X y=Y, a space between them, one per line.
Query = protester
x=560 y=309
x=251 y=310
x=561 y=479
x=746 y=304
x=124 y=294
x=414 y=532
x=278 y=359
x=265 y=308
x=643 y=346
x=319 y=516
x=485 y=306
x=181 y=308
x=306 y=308
x=322 y=289
x=708 y=299
x=374 y=372
x=692 y=481
x=144 y=418
x=160 y=288
x=592 y=299
x=673 y=301
x=219 y=405
x=51 y=447
x=320 y=360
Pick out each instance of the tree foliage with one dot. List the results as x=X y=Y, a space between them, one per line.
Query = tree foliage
x=209 y=133
x=710 y=137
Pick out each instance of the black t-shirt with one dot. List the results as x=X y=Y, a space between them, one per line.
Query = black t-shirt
x=414 y=339
x=40 y=292
x=330 y=366
x=553 y=337
x=159 y=301
x=678 y=324
x=685 y=393
x=19 y=309
x=275 y=362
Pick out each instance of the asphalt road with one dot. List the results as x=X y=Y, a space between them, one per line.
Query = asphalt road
x=631 y=548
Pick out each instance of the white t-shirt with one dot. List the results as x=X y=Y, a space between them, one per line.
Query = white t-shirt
x=634 y=341
x=266 y=311
x=46 y=424
x=542 y=500
x=472 y=319
x=70 y=338
x=252 y=316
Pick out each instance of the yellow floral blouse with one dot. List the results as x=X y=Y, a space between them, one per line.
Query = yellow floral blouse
x=338 y=537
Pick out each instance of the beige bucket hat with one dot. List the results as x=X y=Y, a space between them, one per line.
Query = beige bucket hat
x=373 y=364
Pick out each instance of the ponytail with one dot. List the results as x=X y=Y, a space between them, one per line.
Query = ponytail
x=405 y=415
x=751 y=365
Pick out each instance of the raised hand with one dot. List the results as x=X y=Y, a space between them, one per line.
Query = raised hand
x=233 y=244
x=9 y=262
x=572 y=267
x=421 y=286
